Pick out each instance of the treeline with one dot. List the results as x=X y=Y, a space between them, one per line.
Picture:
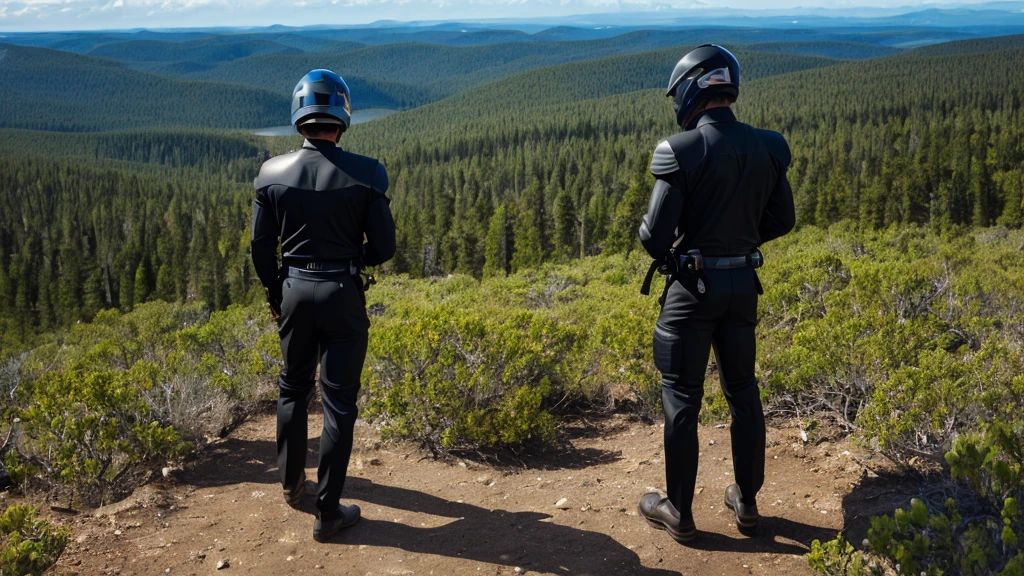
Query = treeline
x=76 y=240
x=935 y=143
x=236 y=156
x=486 y=186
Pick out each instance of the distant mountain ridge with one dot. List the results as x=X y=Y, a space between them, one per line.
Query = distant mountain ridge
x=528 y=16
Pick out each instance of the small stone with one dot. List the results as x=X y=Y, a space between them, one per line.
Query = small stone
x=562 y=504
x=711 y=442
x=289 y=559
x=222 y=564
x=168 y=571
x=376 y=462
x=486 y=480
x=117 y=532
x=166 y=472
x=517 y=569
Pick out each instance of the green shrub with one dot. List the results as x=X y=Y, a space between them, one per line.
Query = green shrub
x=28 y=546
x=940 y=539
x=904 y=336
x=451 y=377
x=127 y=389
x=91 y=425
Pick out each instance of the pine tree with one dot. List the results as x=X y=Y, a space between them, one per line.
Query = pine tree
x=496 y=245
x=528 y=250
x=624 y=233
x=140 y=285
x=566 y=234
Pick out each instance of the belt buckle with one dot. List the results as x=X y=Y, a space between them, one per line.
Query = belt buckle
x=696 y=260
x=314 y=266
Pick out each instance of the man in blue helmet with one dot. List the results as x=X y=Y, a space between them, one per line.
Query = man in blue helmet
x=721 y=192
x=328 y=209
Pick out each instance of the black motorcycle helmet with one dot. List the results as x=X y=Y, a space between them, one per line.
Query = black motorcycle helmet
x=321 y=97
x=707 y=72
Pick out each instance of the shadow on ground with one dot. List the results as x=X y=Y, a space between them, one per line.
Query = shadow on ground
x=498 y=537
x=877 y=495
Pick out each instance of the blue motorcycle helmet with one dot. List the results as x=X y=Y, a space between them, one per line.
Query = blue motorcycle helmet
x=708 y=71
x=321 y=97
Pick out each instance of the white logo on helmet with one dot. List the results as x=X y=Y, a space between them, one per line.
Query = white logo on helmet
x=715 y=78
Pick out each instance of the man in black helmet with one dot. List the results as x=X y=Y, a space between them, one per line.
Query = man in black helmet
x=321 y=202
x=721 y=192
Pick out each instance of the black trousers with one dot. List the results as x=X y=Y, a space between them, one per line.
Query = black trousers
x=691 y=323
x=323 y=319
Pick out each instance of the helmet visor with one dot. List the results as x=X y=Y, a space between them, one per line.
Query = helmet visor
x=716 y=77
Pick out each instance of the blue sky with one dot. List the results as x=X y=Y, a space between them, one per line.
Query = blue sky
x=26 y=15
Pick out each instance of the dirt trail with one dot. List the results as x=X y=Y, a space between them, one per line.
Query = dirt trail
x=422 y=516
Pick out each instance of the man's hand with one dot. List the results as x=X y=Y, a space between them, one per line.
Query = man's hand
x=274 y=302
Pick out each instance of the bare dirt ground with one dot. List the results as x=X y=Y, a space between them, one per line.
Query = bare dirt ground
x=425 y=516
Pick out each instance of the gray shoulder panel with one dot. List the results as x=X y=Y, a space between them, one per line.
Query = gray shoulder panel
x=278 y=170
x=683 y=151
x=777 y=146
x=664 y=160
x=311 y=170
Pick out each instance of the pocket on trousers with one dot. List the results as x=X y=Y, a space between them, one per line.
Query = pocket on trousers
x=668 y=349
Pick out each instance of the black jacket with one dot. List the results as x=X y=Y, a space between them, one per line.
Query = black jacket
x=721 y=186
x=321 y=202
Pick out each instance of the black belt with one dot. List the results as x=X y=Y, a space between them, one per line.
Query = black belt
x=316 y=276
x=694 y=262
x=347 y=266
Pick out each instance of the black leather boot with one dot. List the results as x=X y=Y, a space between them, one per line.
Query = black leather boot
x=295 y=495
x=661 y=514
x=746 y=514
x=343 y=517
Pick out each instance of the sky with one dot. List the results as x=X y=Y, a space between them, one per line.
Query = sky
x=29 y=15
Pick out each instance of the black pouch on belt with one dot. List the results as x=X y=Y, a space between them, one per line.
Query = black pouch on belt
x=693 y=263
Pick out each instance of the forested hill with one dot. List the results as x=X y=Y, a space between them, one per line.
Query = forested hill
x=429 y=70
x=45 y=89
x=204 y=51
x=546 y=165
x=840 y=50
x=904 y=139
x=934 y=143
x=522 y=96
x=973 y=46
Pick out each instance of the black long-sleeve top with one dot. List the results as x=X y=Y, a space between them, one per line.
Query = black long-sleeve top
x=321 y=202
x=722 y=187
